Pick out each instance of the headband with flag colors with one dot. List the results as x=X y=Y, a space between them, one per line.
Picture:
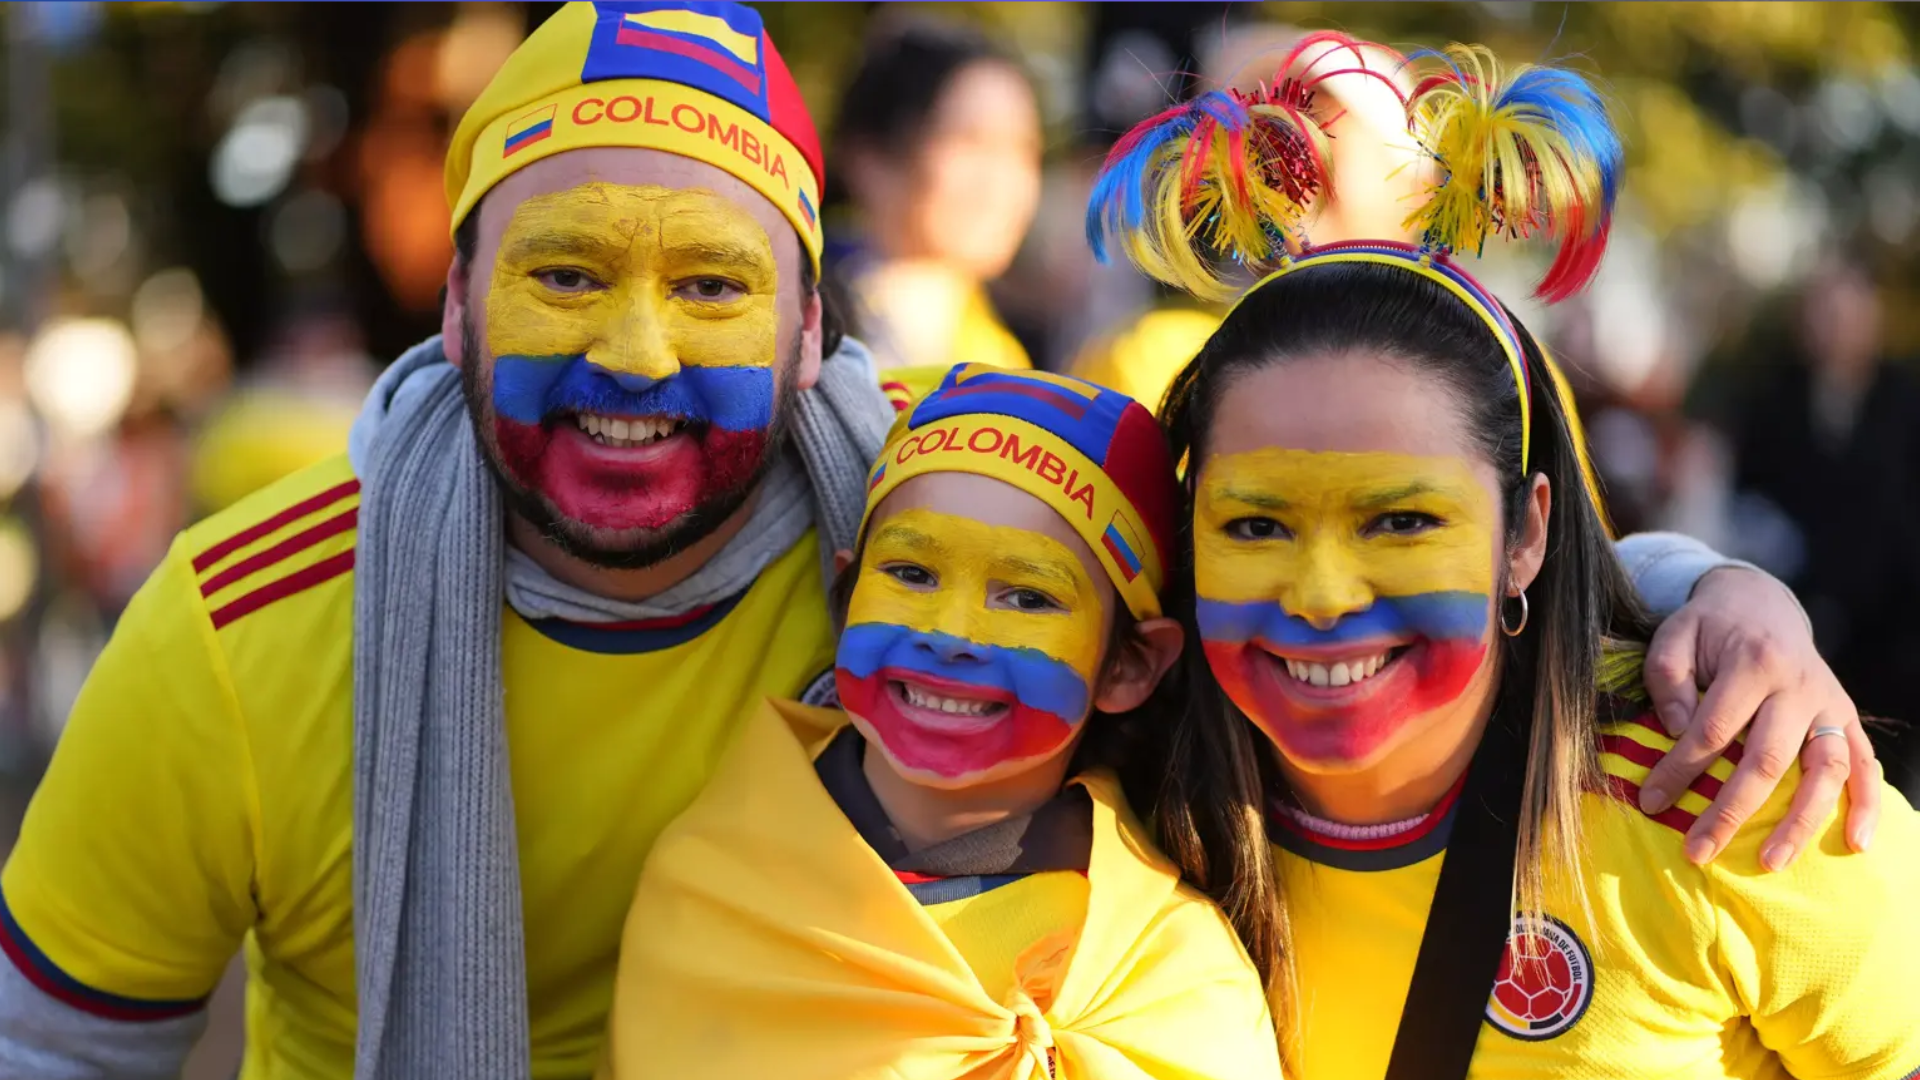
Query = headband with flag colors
x=701 y=80
x=1095 y=455
x=1205 y=192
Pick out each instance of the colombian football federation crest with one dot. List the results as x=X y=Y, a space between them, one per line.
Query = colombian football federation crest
x=1545 y=982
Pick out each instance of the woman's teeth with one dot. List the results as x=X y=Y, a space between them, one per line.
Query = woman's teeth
x=1341 y=674
x=958 y=706
x=608 y=431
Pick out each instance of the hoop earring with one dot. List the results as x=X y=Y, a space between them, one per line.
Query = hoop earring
x=1514 y=631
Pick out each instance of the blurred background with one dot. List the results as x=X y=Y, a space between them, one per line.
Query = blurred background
x=218 y=220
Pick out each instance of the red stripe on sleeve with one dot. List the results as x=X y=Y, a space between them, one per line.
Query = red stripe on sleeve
x=280 y=552
x=1672 y=817
x=278 y=521
x=299 y=581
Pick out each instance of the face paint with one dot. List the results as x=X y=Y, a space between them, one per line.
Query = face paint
x=633 y=331
x=968 y=647
x=1341 y=596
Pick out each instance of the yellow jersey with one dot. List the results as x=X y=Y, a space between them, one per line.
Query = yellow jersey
x=1666 y=969
x=200 y=799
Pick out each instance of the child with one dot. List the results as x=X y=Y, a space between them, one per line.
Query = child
x=942 y=888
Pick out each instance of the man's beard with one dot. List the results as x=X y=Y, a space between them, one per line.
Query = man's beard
x=638 y=548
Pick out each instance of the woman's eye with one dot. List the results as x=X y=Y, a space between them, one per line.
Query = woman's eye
x=1257 y=528
x=1402 y=523
x=908 y=574
x=711 y=289
x=565 y=280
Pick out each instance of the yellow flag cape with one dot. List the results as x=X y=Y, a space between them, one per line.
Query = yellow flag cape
x=767 y=940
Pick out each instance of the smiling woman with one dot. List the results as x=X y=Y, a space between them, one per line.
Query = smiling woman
x=1423 y=656
x=939 y=882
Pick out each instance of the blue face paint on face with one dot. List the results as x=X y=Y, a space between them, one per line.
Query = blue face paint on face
x=1036 y=680
x=1440 y=616
x=531 y=390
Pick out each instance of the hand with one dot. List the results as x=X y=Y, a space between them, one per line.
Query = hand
x=1744 y=639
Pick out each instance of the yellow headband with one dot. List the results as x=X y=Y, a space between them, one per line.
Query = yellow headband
x=1447 y=276
x=1044 y=465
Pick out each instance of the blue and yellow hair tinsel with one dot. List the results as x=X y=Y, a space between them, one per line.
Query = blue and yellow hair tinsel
x=1201 y=193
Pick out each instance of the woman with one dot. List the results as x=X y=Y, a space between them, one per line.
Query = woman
x=949 y=886
x=938 y=138
x=1418 y=642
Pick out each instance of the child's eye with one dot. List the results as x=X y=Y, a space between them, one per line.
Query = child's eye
x=1032 y=600
x=1257 y=528
x=909 y=574
x=1402 y=523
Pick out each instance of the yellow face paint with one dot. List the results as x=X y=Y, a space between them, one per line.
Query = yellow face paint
x=641 y=280
x=1002 y=626
x=1344 y=529
x=1342 y=595
x=633 y=332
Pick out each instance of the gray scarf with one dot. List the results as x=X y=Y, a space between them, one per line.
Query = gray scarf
x=439 y=947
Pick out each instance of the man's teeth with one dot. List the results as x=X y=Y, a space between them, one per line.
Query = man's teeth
x=611 y=431
x=1341 y=674
x=959 y=706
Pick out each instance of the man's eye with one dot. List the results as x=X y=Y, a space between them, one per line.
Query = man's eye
x=566 y=280
x=1257 y=528
x=711 y=289
x=1402 y=523
x=909 y=574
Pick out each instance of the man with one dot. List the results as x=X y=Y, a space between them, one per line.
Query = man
x=406 y=724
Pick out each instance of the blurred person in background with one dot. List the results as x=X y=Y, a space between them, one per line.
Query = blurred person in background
x=1833 y=441
x=938 y=143
x=293 y=411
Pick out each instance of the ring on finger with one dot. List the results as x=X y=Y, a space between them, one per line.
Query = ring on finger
x=1827 y=730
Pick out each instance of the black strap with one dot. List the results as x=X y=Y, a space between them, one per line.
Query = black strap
x=1472 y=913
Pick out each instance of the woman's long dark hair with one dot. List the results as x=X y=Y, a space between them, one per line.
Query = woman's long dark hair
x=1209 y=776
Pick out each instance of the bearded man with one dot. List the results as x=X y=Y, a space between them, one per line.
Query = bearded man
x=404 y=726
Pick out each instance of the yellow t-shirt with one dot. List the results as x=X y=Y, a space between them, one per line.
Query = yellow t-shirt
x=201 y=796
x=1679 y=971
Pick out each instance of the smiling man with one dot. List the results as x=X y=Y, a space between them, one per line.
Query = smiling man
x=405 y=726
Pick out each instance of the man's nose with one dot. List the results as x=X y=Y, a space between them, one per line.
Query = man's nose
x=636 y=345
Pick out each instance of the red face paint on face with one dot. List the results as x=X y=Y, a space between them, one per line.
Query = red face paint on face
x=633 y=332
x=647 y=487
x=1344 y=598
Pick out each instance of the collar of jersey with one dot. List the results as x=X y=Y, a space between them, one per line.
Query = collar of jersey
x=638 y=636
x=1416 y=845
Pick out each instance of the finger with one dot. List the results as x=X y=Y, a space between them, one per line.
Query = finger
x=1863 y=788
x=1670 y=676
x=1729 y=703
x=1824 y=767
x=1772 y=745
